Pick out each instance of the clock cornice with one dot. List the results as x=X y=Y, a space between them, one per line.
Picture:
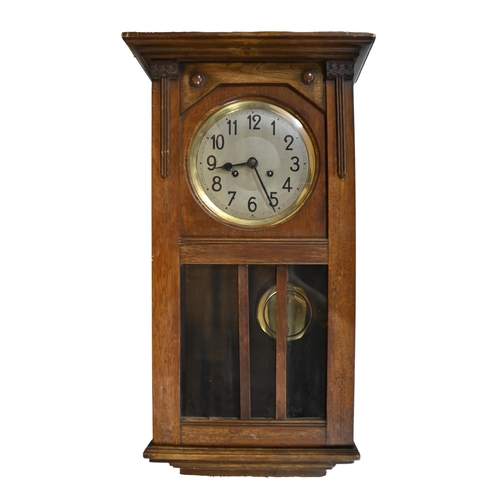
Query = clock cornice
x=249 y=47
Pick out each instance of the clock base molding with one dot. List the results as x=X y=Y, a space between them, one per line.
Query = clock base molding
x=260 y=462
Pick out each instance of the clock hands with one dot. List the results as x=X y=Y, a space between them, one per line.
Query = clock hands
x=252 y=163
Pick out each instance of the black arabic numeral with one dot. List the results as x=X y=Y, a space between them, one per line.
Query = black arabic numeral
x=217 y=141
x=295 y=164
x=232 y=127
x=211 y=162
x=274 y=200
x=252 y=206
x=287 y=185
x=216 y=184
x=289 y=141
x=233 y=194
x=253 y=122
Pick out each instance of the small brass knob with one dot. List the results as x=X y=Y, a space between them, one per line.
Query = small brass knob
x=197 y=79
x=308 y=77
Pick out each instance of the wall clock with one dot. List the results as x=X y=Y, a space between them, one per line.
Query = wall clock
x=253 y=218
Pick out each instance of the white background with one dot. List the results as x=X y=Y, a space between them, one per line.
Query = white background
x=75 y=250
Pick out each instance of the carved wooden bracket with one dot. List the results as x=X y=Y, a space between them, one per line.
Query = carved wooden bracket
x=165 y=71
x=339 y=71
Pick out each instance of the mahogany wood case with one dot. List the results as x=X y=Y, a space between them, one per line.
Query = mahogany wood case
x=198 y=258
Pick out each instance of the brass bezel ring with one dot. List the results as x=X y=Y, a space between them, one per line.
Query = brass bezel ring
x=204 y=200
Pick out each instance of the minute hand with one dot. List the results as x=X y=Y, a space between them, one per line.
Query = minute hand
x=252 y=163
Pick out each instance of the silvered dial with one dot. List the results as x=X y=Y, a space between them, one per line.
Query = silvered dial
x=252 y=164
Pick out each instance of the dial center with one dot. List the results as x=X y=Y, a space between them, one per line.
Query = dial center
x=252 y=162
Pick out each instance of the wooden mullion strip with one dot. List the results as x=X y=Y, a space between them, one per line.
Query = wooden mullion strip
x=281 y=296
x=244 y=341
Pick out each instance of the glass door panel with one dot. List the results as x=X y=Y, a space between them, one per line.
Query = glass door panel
x=230 y=324
x=209 y=341
x=262 y=347
x=306 y=356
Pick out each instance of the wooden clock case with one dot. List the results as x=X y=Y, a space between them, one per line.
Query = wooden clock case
x=311 y=74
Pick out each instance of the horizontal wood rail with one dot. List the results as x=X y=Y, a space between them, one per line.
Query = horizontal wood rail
x=200 y=432
x=235 y=251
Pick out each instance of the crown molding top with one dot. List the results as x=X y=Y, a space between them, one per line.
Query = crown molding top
x=249 y=47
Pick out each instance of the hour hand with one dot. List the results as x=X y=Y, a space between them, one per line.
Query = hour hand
x=229 y=166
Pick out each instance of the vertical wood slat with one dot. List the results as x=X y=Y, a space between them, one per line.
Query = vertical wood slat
x=340 y=125
x=165 y=272
x=164 y=122
x=167 y=72
x=244 y=342
x=281 y=341
x=341 y=264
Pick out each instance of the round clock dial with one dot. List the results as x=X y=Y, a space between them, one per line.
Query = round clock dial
x=252 y=164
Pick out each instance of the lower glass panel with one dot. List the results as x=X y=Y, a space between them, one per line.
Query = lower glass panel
x=262 y=347
x=210 y=374
x=209 y=341
x=306 y=356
